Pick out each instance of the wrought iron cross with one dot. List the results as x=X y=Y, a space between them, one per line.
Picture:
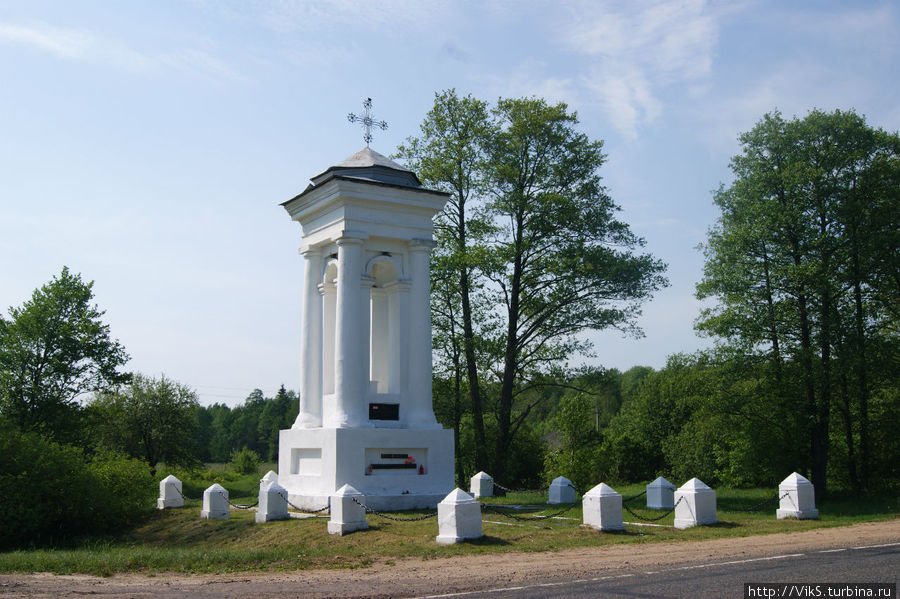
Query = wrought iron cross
x=367 y=121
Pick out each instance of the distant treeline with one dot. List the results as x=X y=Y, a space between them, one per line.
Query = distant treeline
x=254 y=424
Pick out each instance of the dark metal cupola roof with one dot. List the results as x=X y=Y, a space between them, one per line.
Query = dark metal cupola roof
x=369 y=165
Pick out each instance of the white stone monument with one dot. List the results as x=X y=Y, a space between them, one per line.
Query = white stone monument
x=481 y=485
x=366 y=416
x=660 y=495
x=170 y=493
x=348 y=511
x=602 y=508
x=697 y=505
x=269 y=478
x=561 y=490
x=215 y=503
x=797 y=499
x=272 y=501
x=459 y=518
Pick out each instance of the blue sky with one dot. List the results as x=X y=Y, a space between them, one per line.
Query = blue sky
x=147 y=145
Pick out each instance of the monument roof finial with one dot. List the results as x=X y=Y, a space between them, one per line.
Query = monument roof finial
x=367 y=121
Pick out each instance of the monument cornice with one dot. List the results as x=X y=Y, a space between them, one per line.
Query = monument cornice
x=342 y=190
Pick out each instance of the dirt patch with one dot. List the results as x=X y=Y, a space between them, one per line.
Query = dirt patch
x=412 y=577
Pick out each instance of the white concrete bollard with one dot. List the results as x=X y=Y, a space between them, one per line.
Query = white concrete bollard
x=215 y=503
x=348 y=511
x=695 y=504
x=170 y=493
x=459 y=518
x=272 y=502
x=660 y=495
x=269 y=478
x=602 y=508
x=561 y=491
x=481 y=485
x=797 y=499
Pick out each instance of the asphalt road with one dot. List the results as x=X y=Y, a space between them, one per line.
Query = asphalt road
x=875 y=563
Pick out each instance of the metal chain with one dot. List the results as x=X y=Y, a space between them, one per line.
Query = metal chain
x=394 y=518
x=304 y=510
x=486 y=507
x=633 y=497
x=540 y=490
x=753 y=508
x=185 y=497
x=508 y=490
x=239 y=506
x=630 y=511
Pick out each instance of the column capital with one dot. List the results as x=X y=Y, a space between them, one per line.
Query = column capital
x=351 y=237
x=310 y=251
x=421 y=245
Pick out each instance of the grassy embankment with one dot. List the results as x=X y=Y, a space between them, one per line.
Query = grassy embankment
x=177 y=540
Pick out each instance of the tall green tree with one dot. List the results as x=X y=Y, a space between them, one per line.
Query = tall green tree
x=154 y=419
x=451 y=155
x=563 y=263
x=798 y=264
x=530 y=254
x=54 y=350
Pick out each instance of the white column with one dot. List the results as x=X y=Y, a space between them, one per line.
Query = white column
x=329 y=298
x=349 y=368
x=421 y=411
x=365 y=340
x=310 y=415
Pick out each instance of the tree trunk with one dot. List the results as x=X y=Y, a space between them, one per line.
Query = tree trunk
x=472 y=370
x=510 y=362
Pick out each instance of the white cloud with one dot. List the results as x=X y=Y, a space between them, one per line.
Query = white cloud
x=637 y=52
x=71 y=44
x=390 y=17
x=528 y=80
x=199 y=61
x=65 y=43
x=84 y=46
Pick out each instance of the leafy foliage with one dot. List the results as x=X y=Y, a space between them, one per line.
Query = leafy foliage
x=152 y=419
x=53 y=350
x=531 y=256
x=805 y=263
x=52 y=492
x=244 y=461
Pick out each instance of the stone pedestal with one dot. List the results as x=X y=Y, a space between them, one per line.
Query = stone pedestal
x=660 y=495
x=348 y=511
x=215 y=503
x=272 y=502
x=395 y=468
x=602 y=508
x=459 y=518
x=561 y=491
x=481 y=485
x=797 y=499
x=170 y=493
x=697 y=504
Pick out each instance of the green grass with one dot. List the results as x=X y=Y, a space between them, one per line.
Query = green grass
x=177 y=540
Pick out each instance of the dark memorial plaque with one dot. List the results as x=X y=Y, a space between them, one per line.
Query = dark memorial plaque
x=384 y=411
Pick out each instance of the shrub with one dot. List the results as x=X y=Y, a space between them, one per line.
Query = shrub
x=245 y=461
x=51 y=492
